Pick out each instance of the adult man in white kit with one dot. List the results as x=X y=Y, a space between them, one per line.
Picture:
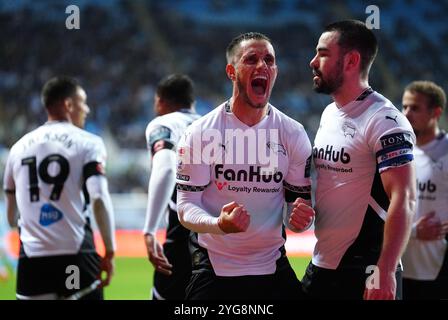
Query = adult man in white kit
x=365 y=191
x=234 y=203
x=425 y=261
x=174 y=104
x=51 y=174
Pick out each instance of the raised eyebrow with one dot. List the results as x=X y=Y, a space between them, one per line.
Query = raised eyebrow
x=322 y=49
x=249 y=55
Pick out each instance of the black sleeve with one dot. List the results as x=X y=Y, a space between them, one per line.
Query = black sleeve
x=159 y=139
x=93 y=168
x=294 y=192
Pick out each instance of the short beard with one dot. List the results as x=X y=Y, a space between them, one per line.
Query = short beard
x=334 y=81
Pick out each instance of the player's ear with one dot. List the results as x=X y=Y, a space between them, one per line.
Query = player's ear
x=437 y=111
x=352 y=59
x=230 y=70
x=68 y=104
x=162 y=106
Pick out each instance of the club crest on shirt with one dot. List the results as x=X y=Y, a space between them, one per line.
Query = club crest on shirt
x=438 y=165
x=277 y=148
x=348 y=129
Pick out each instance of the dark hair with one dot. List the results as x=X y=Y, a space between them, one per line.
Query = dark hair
x=177 y=90
x=230 y=52
x=354 y=35
x=57 y=89
x=436 y=95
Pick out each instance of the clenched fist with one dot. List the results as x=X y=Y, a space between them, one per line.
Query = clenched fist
x=233 y=218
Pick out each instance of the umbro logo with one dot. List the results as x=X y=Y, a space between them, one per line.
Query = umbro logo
x=393 y=119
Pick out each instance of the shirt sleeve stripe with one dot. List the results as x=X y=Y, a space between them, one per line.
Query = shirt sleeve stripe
x=400 y=160
x=184 y=187
x=291 y=196
x=92 y=169
x=298 y=189
x=394 y=148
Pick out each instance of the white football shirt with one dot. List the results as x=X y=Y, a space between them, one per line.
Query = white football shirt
x=353 y=145
x=423 y=259
x=47 y=169
x=168 y=129
x=225 y=160
x=163 y=132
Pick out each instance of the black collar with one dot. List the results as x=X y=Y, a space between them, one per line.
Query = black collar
x=364 y=94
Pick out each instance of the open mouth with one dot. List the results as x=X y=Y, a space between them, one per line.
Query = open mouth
x=259 y=85
x=316 y=75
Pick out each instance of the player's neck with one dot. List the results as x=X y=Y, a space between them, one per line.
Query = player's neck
x=170 y=109
x=427 y=136
x=349 y=91
x=246 y=113
x=57 y=117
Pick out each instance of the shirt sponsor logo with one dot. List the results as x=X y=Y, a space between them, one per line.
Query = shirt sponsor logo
x=245 y=189
x=49 y=215
x=335 y=169
x=329 y=154
x=253 y=174
x=426 y=186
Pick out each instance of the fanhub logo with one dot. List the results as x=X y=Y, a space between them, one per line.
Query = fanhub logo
x=254 y=174
x=329 y=154
x=426 y=186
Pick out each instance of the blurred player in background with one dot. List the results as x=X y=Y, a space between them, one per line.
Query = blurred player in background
x=51 y=173
x=425 y=260
x=235 y=207
x=174 y=103
x=365 y=192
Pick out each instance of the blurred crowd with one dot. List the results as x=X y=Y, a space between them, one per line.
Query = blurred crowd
x=123 y=48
